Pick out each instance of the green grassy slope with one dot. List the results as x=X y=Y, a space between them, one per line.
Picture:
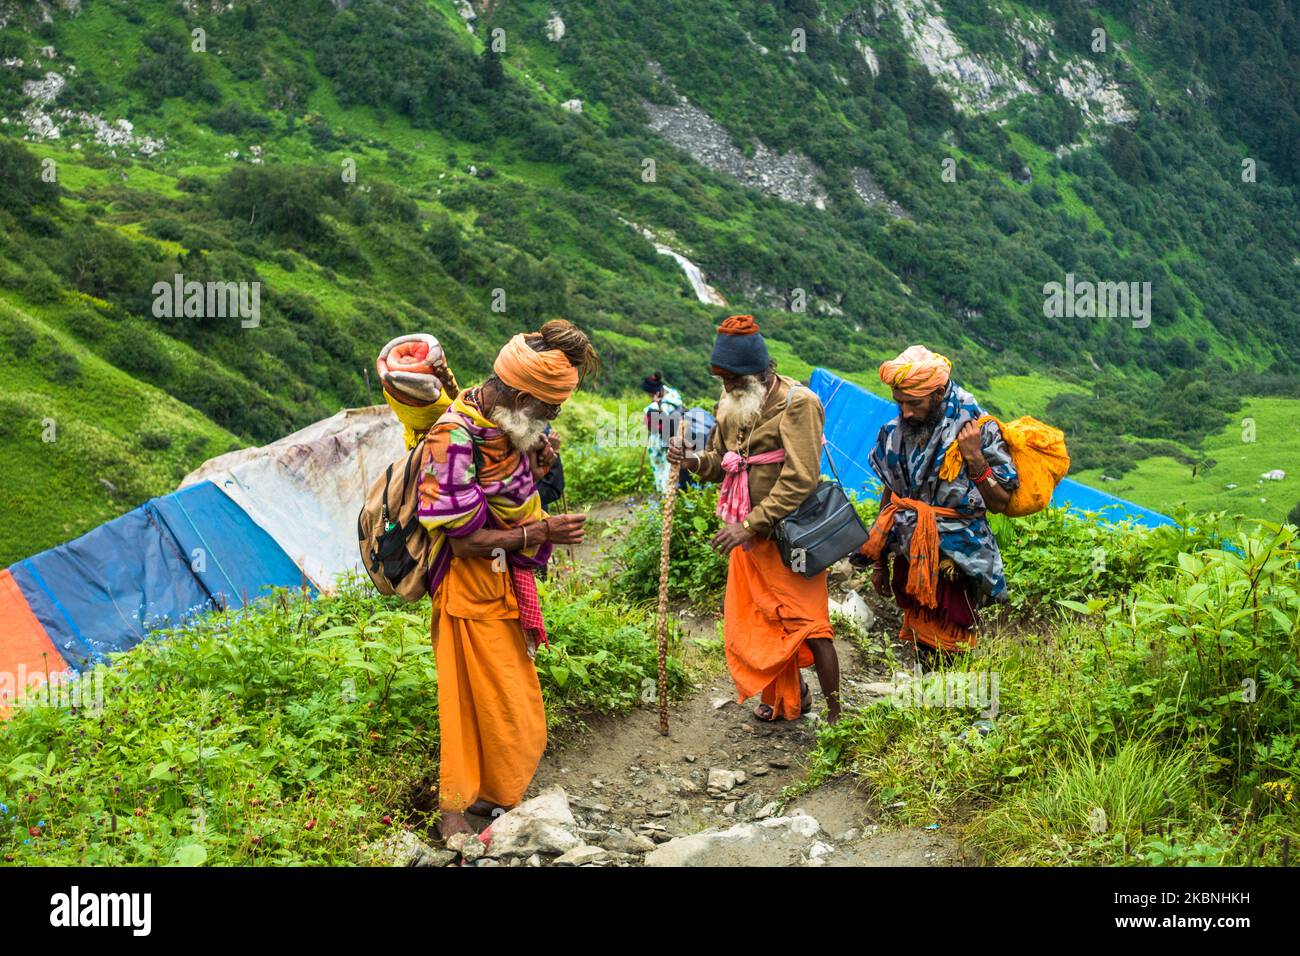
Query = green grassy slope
x=1265 y=437
x=473 y=189
x=82 y=441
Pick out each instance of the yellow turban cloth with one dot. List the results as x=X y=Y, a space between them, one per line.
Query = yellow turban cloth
x=916 y=372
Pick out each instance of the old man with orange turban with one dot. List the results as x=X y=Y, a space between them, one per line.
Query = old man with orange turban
x=766 y=452
x=479 y=501
x=932 y=519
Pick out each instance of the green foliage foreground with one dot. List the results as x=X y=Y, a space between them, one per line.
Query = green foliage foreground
x=295 y=733
x=1159 y=723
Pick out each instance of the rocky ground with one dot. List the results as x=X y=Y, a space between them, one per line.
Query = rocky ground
x=711 y=793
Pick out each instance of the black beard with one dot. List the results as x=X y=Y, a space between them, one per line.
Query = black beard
x=918 y=432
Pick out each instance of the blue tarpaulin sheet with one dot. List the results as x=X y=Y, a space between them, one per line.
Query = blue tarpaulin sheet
x=157 y=566
x=854 y=417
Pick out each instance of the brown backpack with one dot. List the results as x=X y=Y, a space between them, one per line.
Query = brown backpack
x=395 y=547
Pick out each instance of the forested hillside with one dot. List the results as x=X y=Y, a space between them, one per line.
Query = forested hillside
x=861 y=176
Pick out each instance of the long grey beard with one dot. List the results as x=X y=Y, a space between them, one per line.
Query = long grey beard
x=744 y=404
x=522 y=429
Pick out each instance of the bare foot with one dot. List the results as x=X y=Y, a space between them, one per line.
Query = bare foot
x=453 y=822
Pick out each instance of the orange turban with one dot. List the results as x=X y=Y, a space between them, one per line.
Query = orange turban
x=545 y=375
x=916 y=372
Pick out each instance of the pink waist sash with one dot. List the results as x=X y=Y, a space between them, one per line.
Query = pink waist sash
x=733 y=496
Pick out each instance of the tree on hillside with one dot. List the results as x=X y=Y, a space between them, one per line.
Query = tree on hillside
x=21 y=184
x=490 y=70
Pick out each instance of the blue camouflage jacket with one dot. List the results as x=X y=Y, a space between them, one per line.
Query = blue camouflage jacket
x=912 y=471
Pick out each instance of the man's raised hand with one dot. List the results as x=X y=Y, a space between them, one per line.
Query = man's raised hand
x=565 y=529
x=678 y=455
x=443 y=374
x=970 y=442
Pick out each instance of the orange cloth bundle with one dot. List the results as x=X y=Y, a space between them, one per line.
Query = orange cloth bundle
x=769 y=617
x=1040 y=456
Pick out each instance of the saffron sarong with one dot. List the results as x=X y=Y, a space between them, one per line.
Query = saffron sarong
x=492 y=725
x=771 y=613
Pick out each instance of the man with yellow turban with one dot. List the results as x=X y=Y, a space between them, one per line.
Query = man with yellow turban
x=489 y=535
x=945 y=559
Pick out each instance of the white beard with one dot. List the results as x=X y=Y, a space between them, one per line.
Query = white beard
x=743 y=405
x=522 y=429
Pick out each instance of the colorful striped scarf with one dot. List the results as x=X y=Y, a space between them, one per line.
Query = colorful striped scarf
x=474 y=478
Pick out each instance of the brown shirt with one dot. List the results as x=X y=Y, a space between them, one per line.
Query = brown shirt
x=778 y=488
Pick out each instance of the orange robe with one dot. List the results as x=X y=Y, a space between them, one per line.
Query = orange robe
x=492 y=723
x=770 y=614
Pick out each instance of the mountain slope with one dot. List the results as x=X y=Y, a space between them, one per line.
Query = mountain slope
x=861 y=176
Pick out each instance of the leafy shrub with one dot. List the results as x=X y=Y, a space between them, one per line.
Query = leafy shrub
x=21 y=184
x=236 y=118
x=1215 y=652
x=287 y=201
x=1055 y=555
x=695 y=571
x=1160 y=725
x=602 y=657
x=155 y=441
x=277 y=735
x=592 y=474
x=169 y=69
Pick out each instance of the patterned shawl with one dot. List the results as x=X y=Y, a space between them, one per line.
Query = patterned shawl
x=474 y=478
x=913 y=472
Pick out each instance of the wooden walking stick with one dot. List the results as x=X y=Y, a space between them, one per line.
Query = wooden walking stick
x=665 y=539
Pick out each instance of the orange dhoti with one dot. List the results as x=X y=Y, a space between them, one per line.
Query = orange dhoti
x=492 y=723
x=771 y=613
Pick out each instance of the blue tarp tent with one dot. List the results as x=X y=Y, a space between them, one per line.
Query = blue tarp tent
x=173 y=557
x=854 y=417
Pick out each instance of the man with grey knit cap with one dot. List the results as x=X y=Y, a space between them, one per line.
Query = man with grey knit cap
x=766 y=452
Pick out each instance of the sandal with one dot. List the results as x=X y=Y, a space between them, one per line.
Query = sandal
x=765 y=713
x=484 y=808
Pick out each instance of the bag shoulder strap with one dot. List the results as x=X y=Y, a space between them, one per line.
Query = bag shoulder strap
x=830 y=459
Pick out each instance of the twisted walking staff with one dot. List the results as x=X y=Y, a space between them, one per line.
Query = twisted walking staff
x=665 y=539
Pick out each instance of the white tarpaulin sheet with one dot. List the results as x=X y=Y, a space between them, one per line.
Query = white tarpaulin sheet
x=305 y=490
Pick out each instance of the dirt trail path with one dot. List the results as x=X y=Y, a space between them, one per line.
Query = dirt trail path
x=622 y=774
